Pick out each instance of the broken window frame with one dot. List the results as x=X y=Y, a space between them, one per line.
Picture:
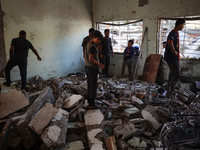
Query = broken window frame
x=159 y=35
x=117 y=48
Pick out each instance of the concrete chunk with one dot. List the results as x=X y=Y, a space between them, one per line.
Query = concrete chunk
x=71 y=101
x=125 y=131
x=29 y=137
x=137 y=142
x=12 y=101
x=132 y=112
x=93 y=117
x=94 y=143
x=136 y=101
x=43 y=118
x=148 y=116
x=55 y=134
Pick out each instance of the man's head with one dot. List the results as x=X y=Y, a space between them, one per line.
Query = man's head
x=106 y=32
x=22 y=33
x=164 y=44
x=180 y=24
x=91 y=30
x=130 y=43
x=97 y=36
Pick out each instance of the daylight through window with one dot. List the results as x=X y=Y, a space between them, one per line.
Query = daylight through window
x=121 y=32
x=189 y=37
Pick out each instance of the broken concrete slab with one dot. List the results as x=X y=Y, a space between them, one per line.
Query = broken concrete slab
x=137 y=143
x=55 y=134
x=43 y=118
x=71 y=101
x=29 y=137
x=74 y=105
x=125 y=131
x=148 y=116
x=12 y=101
x=136 y=101
x=132 y=112
x=94 y=143
x=93 y=117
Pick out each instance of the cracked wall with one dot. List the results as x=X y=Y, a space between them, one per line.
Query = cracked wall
x=2 y=43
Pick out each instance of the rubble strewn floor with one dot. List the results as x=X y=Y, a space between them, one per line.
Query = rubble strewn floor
x=133 y=115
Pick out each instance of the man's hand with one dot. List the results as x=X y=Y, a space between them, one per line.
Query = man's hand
x=102 y=66
x=176 y=53
x=39 y=58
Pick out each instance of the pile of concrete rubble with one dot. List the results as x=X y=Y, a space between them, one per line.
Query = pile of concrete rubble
x=132 y=115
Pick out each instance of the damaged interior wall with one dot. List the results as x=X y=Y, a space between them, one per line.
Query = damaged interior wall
x=56 y=30
x=149 y=11
x=2 y=42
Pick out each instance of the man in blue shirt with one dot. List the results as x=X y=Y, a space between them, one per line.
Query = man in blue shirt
x=128 y=55
x=105 y=51
x=172 y=55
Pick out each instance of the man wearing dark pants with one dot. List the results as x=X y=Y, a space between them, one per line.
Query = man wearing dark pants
x=18 y=57
x=129 y=52
x=172 y=55
x=92 y=67
x=105 y=50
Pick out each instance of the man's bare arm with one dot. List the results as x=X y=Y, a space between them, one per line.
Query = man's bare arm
x=91 y=59
x=83 y=51
x=171 y=46
x=12 y=50
x=36 y=53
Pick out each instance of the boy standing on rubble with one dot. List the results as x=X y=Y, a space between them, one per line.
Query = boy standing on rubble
x=128 y=56
x=172 y=55
x=91 y=56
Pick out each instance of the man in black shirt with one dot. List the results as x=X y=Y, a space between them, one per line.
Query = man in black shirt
x=105 y=50
x=91 y=56
x=87 y=40
x=18 y=57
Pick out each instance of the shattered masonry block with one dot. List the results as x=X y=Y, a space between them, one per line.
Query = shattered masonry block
x=71 y=101
x=132 y=112
x=12 y=101
x=43 y=118
x=29 y=137
x=137 y=142
x=136 y=101
x=93 y=117
x=125 y=131
x=94 y=143
x=148 y=116
x=55 y=134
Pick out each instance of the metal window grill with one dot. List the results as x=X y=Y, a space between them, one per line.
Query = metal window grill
x=121 y=32
x=189 y=37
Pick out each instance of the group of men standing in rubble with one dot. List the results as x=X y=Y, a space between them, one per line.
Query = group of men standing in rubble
x=92 y=45
x=95 y=43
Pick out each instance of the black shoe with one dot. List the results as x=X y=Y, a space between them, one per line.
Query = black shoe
x=6 y=84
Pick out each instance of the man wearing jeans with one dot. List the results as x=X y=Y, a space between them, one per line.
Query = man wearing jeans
x=18 y=57
x=172 y=55
x=91 y=56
